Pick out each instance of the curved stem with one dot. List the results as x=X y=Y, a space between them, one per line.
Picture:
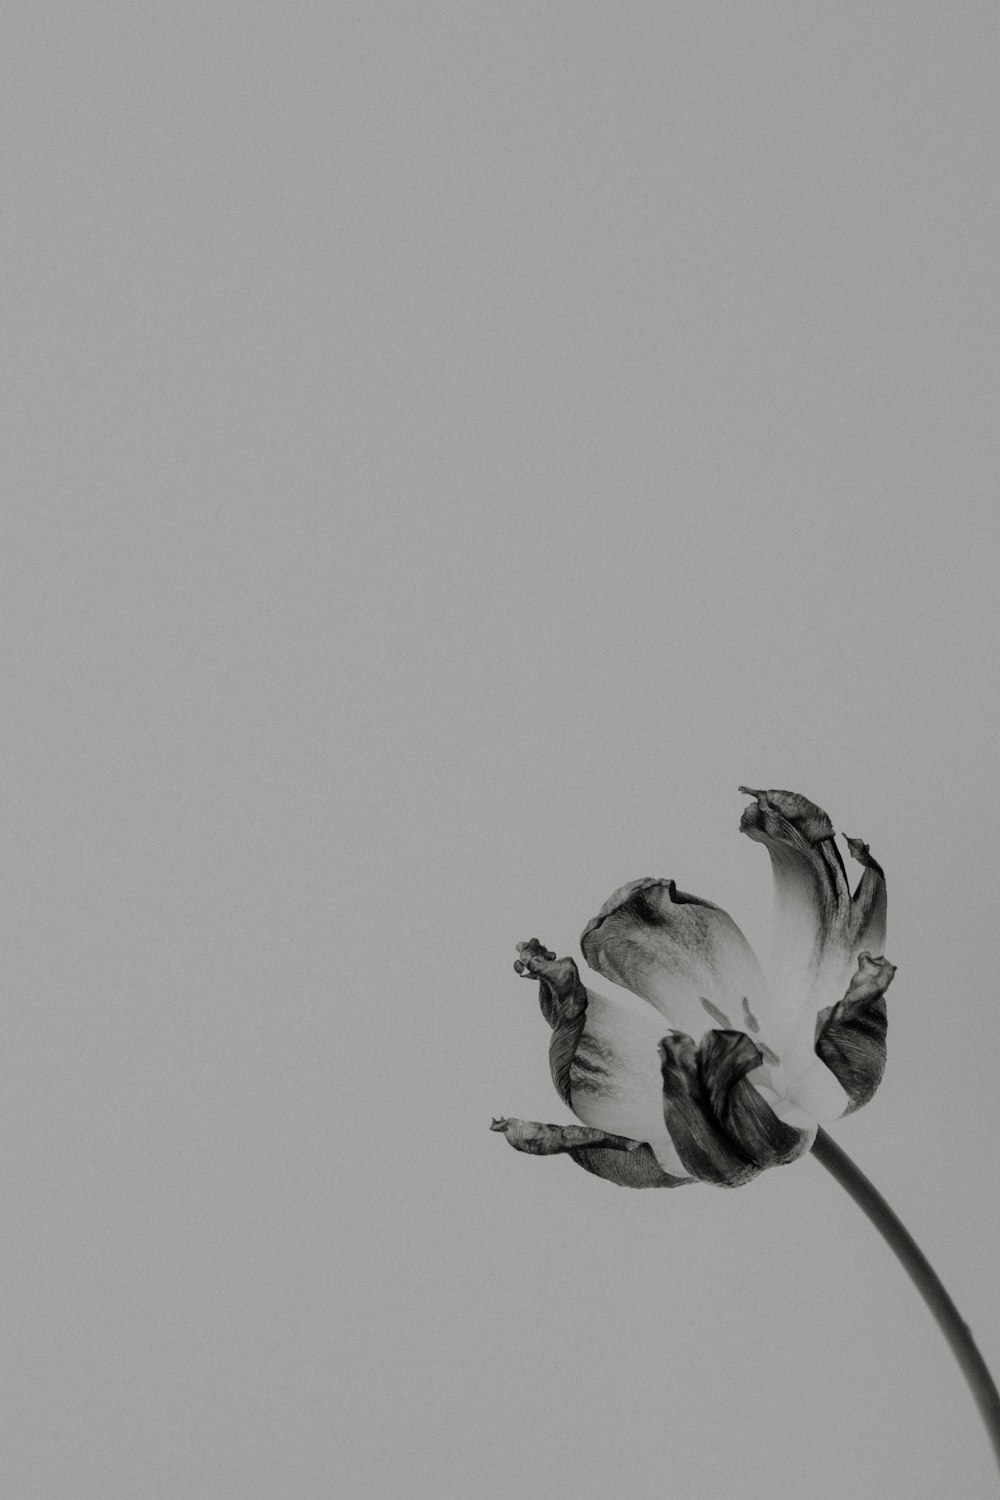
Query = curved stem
x=924 y=1277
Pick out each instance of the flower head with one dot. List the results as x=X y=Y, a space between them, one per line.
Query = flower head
x=704 y=1065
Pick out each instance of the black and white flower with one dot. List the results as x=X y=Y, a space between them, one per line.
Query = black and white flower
x=704 y=1065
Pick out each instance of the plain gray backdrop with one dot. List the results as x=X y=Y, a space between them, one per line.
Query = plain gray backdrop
x=449 y=448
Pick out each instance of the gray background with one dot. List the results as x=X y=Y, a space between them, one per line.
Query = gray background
x=450 y=446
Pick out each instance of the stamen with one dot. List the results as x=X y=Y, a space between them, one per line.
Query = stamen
x=749 y=1017
x=769 y=1055
x=717 y=1014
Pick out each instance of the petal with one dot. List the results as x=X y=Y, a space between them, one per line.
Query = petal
x=550 y=1140
x=724 y=1129
x=816 y=1092
x=850 y=1036
x=563 y=1000
x=810 y=884
x=685 y=956
x=638 y=1169
x=724 y=1059
x=625 y=1162
x=703 y=1145
x=819 y=927
x=603 y=1053
x=868 y=904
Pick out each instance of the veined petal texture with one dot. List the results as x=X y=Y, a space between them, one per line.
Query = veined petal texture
x=851 y=1035
x=724 y=1130
x=624 y=1162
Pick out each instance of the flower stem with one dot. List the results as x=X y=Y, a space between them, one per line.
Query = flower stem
x=923 y=1276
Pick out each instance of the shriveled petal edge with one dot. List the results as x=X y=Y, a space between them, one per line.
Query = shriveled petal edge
x=562 y=997
x=628 y=892
x=851 y=1035
x=680 y=953
x=807 y=864
x=804 y=818
x=617 y=1159
x=725 y=1058
x=723 y=1130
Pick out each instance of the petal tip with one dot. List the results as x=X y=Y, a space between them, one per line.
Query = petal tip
x=533 y=956
x=779 y=813
x=676 y=1048
x=619 y=896
x=872 y=969
x=647 y=900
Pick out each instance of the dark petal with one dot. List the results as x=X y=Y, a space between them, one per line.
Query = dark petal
x=563 y=999
x=850 y=1036
x=637 y=1169
x=614 y=1157
x=706 y=1148
x=809 y=821
x=724 y=1060
x=550 y=1140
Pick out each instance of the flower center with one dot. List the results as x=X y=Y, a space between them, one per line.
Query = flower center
x=751 y=1026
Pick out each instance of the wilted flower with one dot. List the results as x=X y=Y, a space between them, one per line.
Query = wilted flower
x=747 y=1065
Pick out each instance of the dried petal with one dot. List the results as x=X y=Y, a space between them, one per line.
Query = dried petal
x=811 y=895
x=705 y=1147
x=868 y=904
x=550 y=1140
x=563 y=999
x=850 y=1036
x=626 y=1163
x=602 y=1054
x=819 y=926
x=724 y=1060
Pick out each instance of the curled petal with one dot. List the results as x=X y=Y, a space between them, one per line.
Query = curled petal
x=724 y=1130
x=810 y=882
x=850 y=1036
x=551 y=1140
x=563 y=999
x=602 y=1053
x=786 y=816
x=704 y=1145
x=820 y=927
x=684 y=955
x=724 y=1059
x=617 y=1159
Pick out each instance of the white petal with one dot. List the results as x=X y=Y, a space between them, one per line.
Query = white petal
x=817 y=1093
x=819 y=927
x=615 y=1074
x=684 y=955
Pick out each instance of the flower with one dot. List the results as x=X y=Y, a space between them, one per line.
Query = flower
x=748 y=1064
